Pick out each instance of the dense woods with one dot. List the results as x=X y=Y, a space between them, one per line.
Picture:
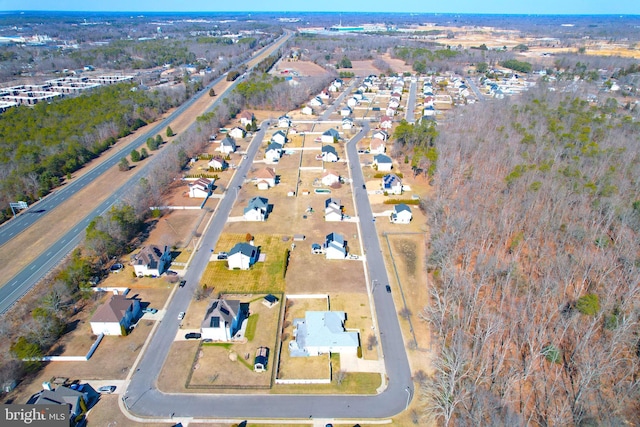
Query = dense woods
x=41 y=145
x=534 y=265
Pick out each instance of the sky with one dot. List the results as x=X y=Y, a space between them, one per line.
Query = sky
x=564 y=7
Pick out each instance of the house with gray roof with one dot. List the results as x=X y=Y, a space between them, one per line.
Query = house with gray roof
x=401 y=214
x=115 y=316
x=151 y=261
x=77 y=400
x=273 y=152
x=329 y=154
x=227 y=145
x=330 y=136
x=242 y=256
x=322 y=332
x=257 y=209
x=223 y=320
x=335 y=247
x=383 y=162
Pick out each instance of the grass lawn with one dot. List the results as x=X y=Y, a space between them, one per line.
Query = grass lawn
x=262 y=277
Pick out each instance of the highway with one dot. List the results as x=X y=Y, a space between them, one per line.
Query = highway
x=18 y=285
x=142 y=397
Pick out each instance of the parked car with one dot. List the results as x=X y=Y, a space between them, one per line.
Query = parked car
x=182 y=283
x=107 y=389
x=223 y=255
x=388 y=289
x=192 y=336
x=150 y=310
x=181 y=315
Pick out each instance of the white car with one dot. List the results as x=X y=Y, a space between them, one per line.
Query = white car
x=181 y=315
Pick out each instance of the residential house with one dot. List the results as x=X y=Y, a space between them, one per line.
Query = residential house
x=265 y=178
x=429 y=111
x=316 y=102
x=273 y=153
x=246 y=118
x=381 y=134
x=346 y=111
x=322 y=332
x=261 y=359
x=401 y=214
x=332 y=210
x=335 y=247
x=394 y=102
x=218 y=163
x=330 y=136
x=237 y=132
x=329 y=153
x=352 y=102
x=307 y=111
x=77 y=400
x=151 y=261
x=201 y=188
x=324 y=94
x=223 y=319
x=279 y=137
x=242 y=256
x=257 y=209
x=386 y=122
x=383 y=162
x=377 y=146
x=227 y=145
x=390 y=111
x=329 y=178
x=115 y=316
x=347 y=123
x=284 y=122
x=391 y=184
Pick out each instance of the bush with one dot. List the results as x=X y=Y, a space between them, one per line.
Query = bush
x=135 y=156
x=552 y=353
x=124 y=164
x=588 y=304
x=170 y=131
x=398 y=201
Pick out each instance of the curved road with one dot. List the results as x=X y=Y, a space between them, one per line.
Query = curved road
x=142 y=398
x=18 y=285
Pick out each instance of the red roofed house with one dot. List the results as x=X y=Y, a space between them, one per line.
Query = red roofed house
x=265 y=178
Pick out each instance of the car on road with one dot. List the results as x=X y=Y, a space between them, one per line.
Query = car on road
x=107 y=389
x=181 y=315
x=388 y=289
x=192 y=336
x=182 y=283
x=150 y=310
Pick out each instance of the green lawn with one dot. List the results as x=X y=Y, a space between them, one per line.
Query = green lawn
x=252 y=325
x=262 y=277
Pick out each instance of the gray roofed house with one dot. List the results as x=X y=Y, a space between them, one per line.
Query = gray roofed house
x=330 y=136
x=227 y=145
x=383 y=162
x=401 y=214
x=273 y=152
x=151 y=261
x=329 y=153
x=242 y=256
x=322 y=332
x=335 y=246
x=115 y=316
x=256 y=209
x=77 y=400
x=223 y=320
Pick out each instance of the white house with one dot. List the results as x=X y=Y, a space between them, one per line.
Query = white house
x=383 y=162
x=265 y=178
x=401 y=214
x=347 y=123
x=377 y=146
x=329 y=178
x=394 y=103
x=279 y=137
x=242 y=256
x=151 y=261
x=273 y=153
x=237 y=132
x=381 y=134
x=227 y=145
x=307 y=111
x=335 y=246
x=332 y=210
x=257 y=209
x=352 y=102
x=429 y=111
x=346 y=111
x=246 y=118
x=329 y=154
x=284 y=122
x=316 y=102
x=391 y=184
x=330 y=136
x=200 y=188
x=322 y=332
x=115 y=316
x=223 y=320
x=217 y=163
x=386 y=122
x=324 y=94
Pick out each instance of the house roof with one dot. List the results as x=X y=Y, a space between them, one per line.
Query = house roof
x=266 y=173
x=204 y=184
x=60 y=396
x=332 y=132
x=258 y=203
x=113 y=310
x=401 y=207
x=274 y=146
x=329 y=149
x=390 y=180
x=244 y=249
x=247 y=115
x=335 y=238
x=221 y=309
x=228 y=141
x=381 y=158
x=326 y=329
x=271 y=298
x=332 y=201
x=149 y=256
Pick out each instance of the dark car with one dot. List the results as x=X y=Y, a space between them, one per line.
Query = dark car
x=192 y=336
x=388 y=289
x=182 y=283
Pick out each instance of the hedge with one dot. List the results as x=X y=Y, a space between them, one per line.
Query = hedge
x=405 y=201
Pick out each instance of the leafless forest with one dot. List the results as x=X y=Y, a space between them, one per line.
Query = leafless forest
x=534 y=265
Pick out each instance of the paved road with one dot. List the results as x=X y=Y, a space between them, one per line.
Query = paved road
x=411 y=102
x=475 y=89
x=18 y=285
x=144 y=399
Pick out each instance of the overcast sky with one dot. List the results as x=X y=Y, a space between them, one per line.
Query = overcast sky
x=629 y=7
